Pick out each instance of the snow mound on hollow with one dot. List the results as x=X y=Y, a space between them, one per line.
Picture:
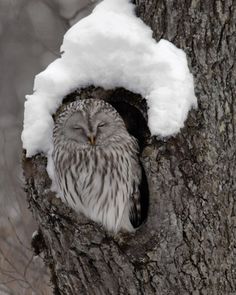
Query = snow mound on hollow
x=111 y=48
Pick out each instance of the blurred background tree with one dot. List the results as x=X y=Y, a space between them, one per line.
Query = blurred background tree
x=31 y=33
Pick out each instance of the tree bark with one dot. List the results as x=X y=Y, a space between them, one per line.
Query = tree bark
x=188 y=243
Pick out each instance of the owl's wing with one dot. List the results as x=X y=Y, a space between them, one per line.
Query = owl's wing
x=139 y=200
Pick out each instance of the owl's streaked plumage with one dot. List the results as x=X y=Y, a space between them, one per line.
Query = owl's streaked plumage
x=96 y=164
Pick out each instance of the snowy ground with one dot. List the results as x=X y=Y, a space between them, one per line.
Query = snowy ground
x=30 y=37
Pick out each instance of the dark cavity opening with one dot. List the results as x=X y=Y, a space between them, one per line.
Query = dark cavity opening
x=133 y=109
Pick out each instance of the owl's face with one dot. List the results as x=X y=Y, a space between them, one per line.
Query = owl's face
x=93 y=128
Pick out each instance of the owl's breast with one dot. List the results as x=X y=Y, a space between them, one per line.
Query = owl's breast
x=105 y=182
x=103 y=173
x=99 y=183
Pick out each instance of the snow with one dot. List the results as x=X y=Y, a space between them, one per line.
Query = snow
x=111 y=48
x=34 y=234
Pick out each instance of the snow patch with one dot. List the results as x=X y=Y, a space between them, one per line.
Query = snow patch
x=111 y=48
x=34 y=234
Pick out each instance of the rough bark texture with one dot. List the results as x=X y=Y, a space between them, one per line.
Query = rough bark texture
x=188 y=243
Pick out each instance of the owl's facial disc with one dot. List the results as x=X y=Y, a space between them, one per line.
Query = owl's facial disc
x=94 y=129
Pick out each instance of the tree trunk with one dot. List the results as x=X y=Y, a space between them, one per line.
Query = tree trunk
x=188 y=243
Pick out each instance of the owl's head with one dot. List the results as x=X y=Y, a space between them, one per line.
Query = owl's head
x=90 y=123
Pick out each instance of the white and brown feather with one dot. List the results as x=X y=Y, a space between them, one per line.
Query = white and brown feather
x=101 y=181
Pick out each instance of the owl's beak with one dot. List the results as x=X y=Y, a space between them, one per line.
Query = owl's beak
x=92 y=139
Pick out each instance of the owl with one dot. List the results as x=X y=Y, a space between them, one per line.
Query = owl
x=97 y=166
